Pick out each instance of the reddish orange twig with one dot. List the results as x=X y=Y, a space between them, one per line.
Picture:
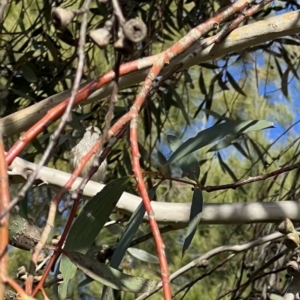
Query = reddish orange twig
x=4 y=231
x=160 y=247
x=58 y=249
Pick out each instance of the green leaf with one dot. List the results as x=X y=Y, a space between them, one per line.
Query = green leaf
x=143 y=255
x=164 y=169
x=133 y=224
x=241 y=150
x=221 y=163
x=217 y=132
x=94 y=215
x=235 y=84
x=285 y=83
x=226 y=169
x=88 y=225
x=278 y=67
x=286 y=58
x=195 y=217
x=260 y=154
x=29 y=72
x=22 y=93
x=204 y=177
x=215 y=115
x=209 y=66
x=110 y=276
x=189 y=164
x=202 y=84
x=180 y=104
x=227 y=141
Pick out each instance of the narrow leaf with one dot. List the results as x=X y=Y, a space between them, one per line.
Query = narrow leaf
x=94 y=215
x=221 y=162
x=164 y=168
x=204 y=178
x=235 y=84
x=241 y=150
x=135 y=221
x=88 y=225
x=195 y=216
x=260 y=154
x=180 y=105
x=215 y=133
x=110 y=276
x=143 y=255
x=284 y=83
x=227 y=141
x=286 y=58
x=29 y=72
x=209 y=66
x=215 y=115
x=278 y=68
x=202 y=84
x=189 y=164
x=133 y=224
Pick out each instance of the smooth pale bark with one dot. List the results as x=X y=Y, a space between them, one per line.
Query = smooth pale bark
x=175 y=214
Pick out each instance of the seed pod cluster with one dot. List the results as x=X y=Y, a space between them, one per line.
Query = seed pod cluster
x=291 y=240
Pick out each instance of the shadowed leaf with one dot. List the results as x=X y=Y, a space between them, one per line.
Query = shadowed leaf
x=29 y=72
x=133 y=224
x=164 y=169
x=189 y=164
x=180 y=105
x=227 y=141
x=110 y=276
x=241 y=150
x=235 y=84
x=88 y=225
x=226 y=169
x=284 y=83
x=202 y=84
x=143 y=255
x=217 y=132
x=195 y=216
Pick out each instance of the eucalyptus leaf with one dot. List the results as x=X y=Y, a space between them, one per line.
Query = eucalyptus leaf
x=195 y=217
x=133 y=224
x=110 y=276
x=217 y=132
x=227 y=141
x=234 y=84
x=188 y=164
x=143 y=255
x=164 y=168
x=88 y=224
x=29 y=72
x=180 y=105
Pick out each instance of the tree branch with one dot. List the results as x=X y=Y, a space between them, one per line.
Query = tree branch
x=239 y=39
x=175 y=214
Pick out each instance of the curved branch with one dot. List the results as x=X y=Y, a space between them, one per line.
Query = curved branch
x=208 y=255
x=175 y=214
x=239 y=39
